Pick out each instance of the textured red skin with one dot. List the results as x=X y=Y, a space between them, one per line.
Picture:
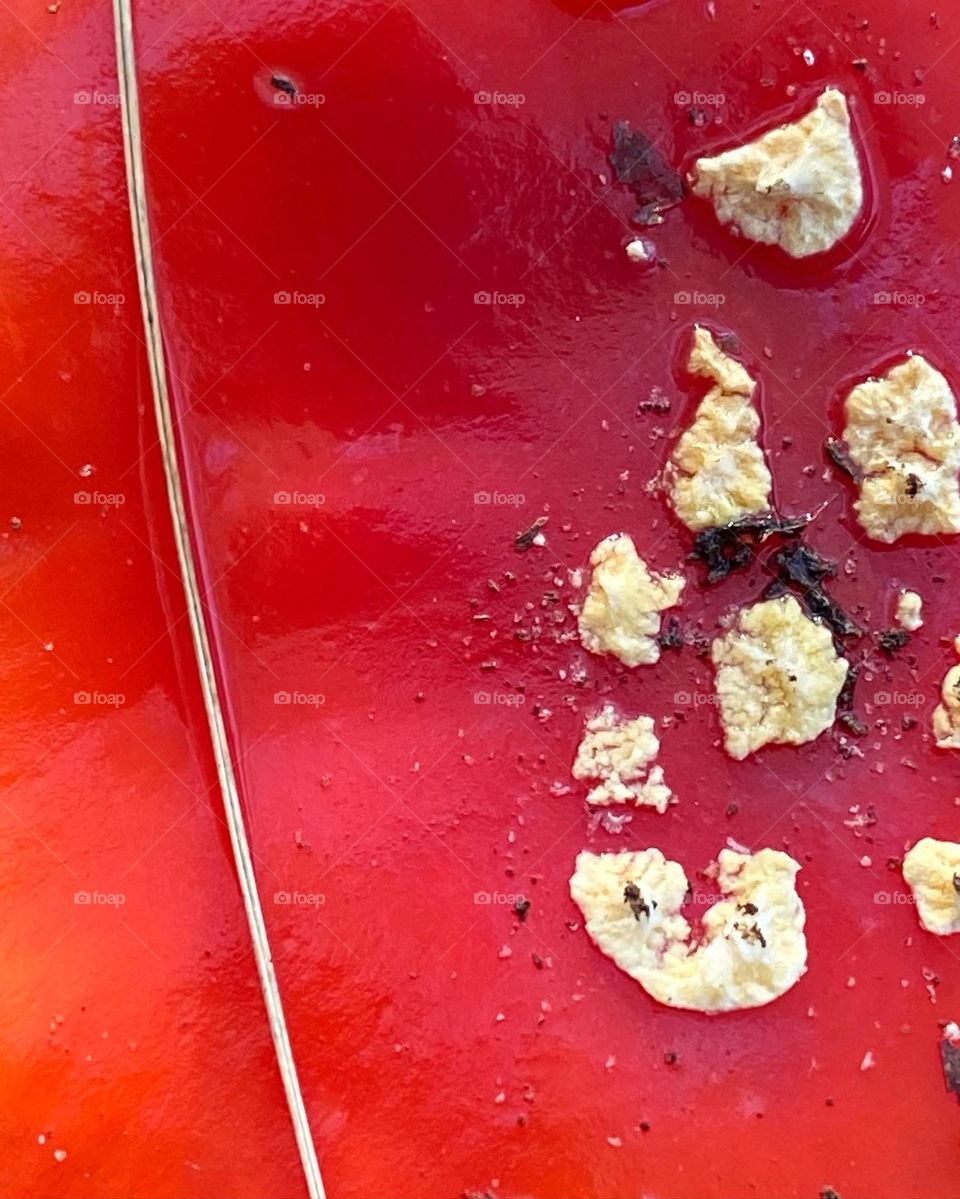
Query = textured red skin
x=394 y=984
x=133 y=1038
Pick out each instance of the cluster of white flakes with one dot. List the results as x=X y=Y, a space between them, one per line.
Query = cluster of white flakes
x=904 y=437
x=752 y=948
x=778 y=672
x=799 y=186
x=778 y=677
x=621 y=755
x=932 y=871
x=621 y=612
x=717 y=472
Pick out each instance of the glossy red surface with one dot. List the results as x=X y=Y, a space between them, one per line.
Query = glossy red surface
x=136 y=1060
x=433 y=1062
x=335 y=447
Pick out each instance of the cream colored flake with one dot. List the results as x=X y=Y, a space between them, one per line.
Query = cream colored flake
x=903 y=435
x=717 y=472
x=710 y=362
x=621 y=754
x=778 y=677
x=910 y=611
x=640 y=251
x=621 y=612
x=946 y=715
x=752 y=947
x=932 y=871
x=798 y=186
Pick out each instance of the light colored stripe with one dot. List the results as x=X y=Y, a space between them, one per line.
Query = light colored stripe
x=133 y=149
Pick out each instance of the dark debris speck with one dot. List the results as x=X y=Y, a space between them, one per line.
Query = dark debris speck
x=638 y=164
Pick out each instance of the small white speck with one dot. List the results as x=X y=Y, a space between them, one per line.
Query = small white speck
x=809 y=57
x=866 y=860
x=868 y=1063
x=851 y=981
x=41 y=1139
x=947 y=174
x=610 y=1062
x=500 y=1097
x=59 y=1155
x=616 y=1142
x=505 y=952
x=87 y=470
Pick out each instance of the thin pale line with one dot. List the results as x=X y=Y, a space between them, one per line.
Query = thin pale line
x=33 y=233
x=51 y=948
x=136 y=185
x=36 y=563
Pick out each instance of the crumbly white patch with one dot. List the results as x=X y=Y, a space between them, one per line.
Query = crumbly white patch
x=717 y=472
x=798 y=186
x=778 y=677
x=910 y=611
x=930 y=869
x=946 y=715
x=621 y=612
x=903 y=435
x=621 y=754
x=752 y=947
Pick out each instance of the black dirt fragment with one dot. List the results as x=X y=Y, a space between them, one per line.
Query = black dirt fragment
x=956 y=883
x=950 y=1058
x=853 y=724
x=283 y=84
x=828 y=1192
x=657 y=401
x=729 y=343
x=802 y=567
x=839 y=453
x=638 y=905
x=524 y=540
x=656 y=186
x=671 y=634
x=730 y=547
x=891 y=640
x=845 y=698
x=845 y=713
x=521 y=907
x=753 y=933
